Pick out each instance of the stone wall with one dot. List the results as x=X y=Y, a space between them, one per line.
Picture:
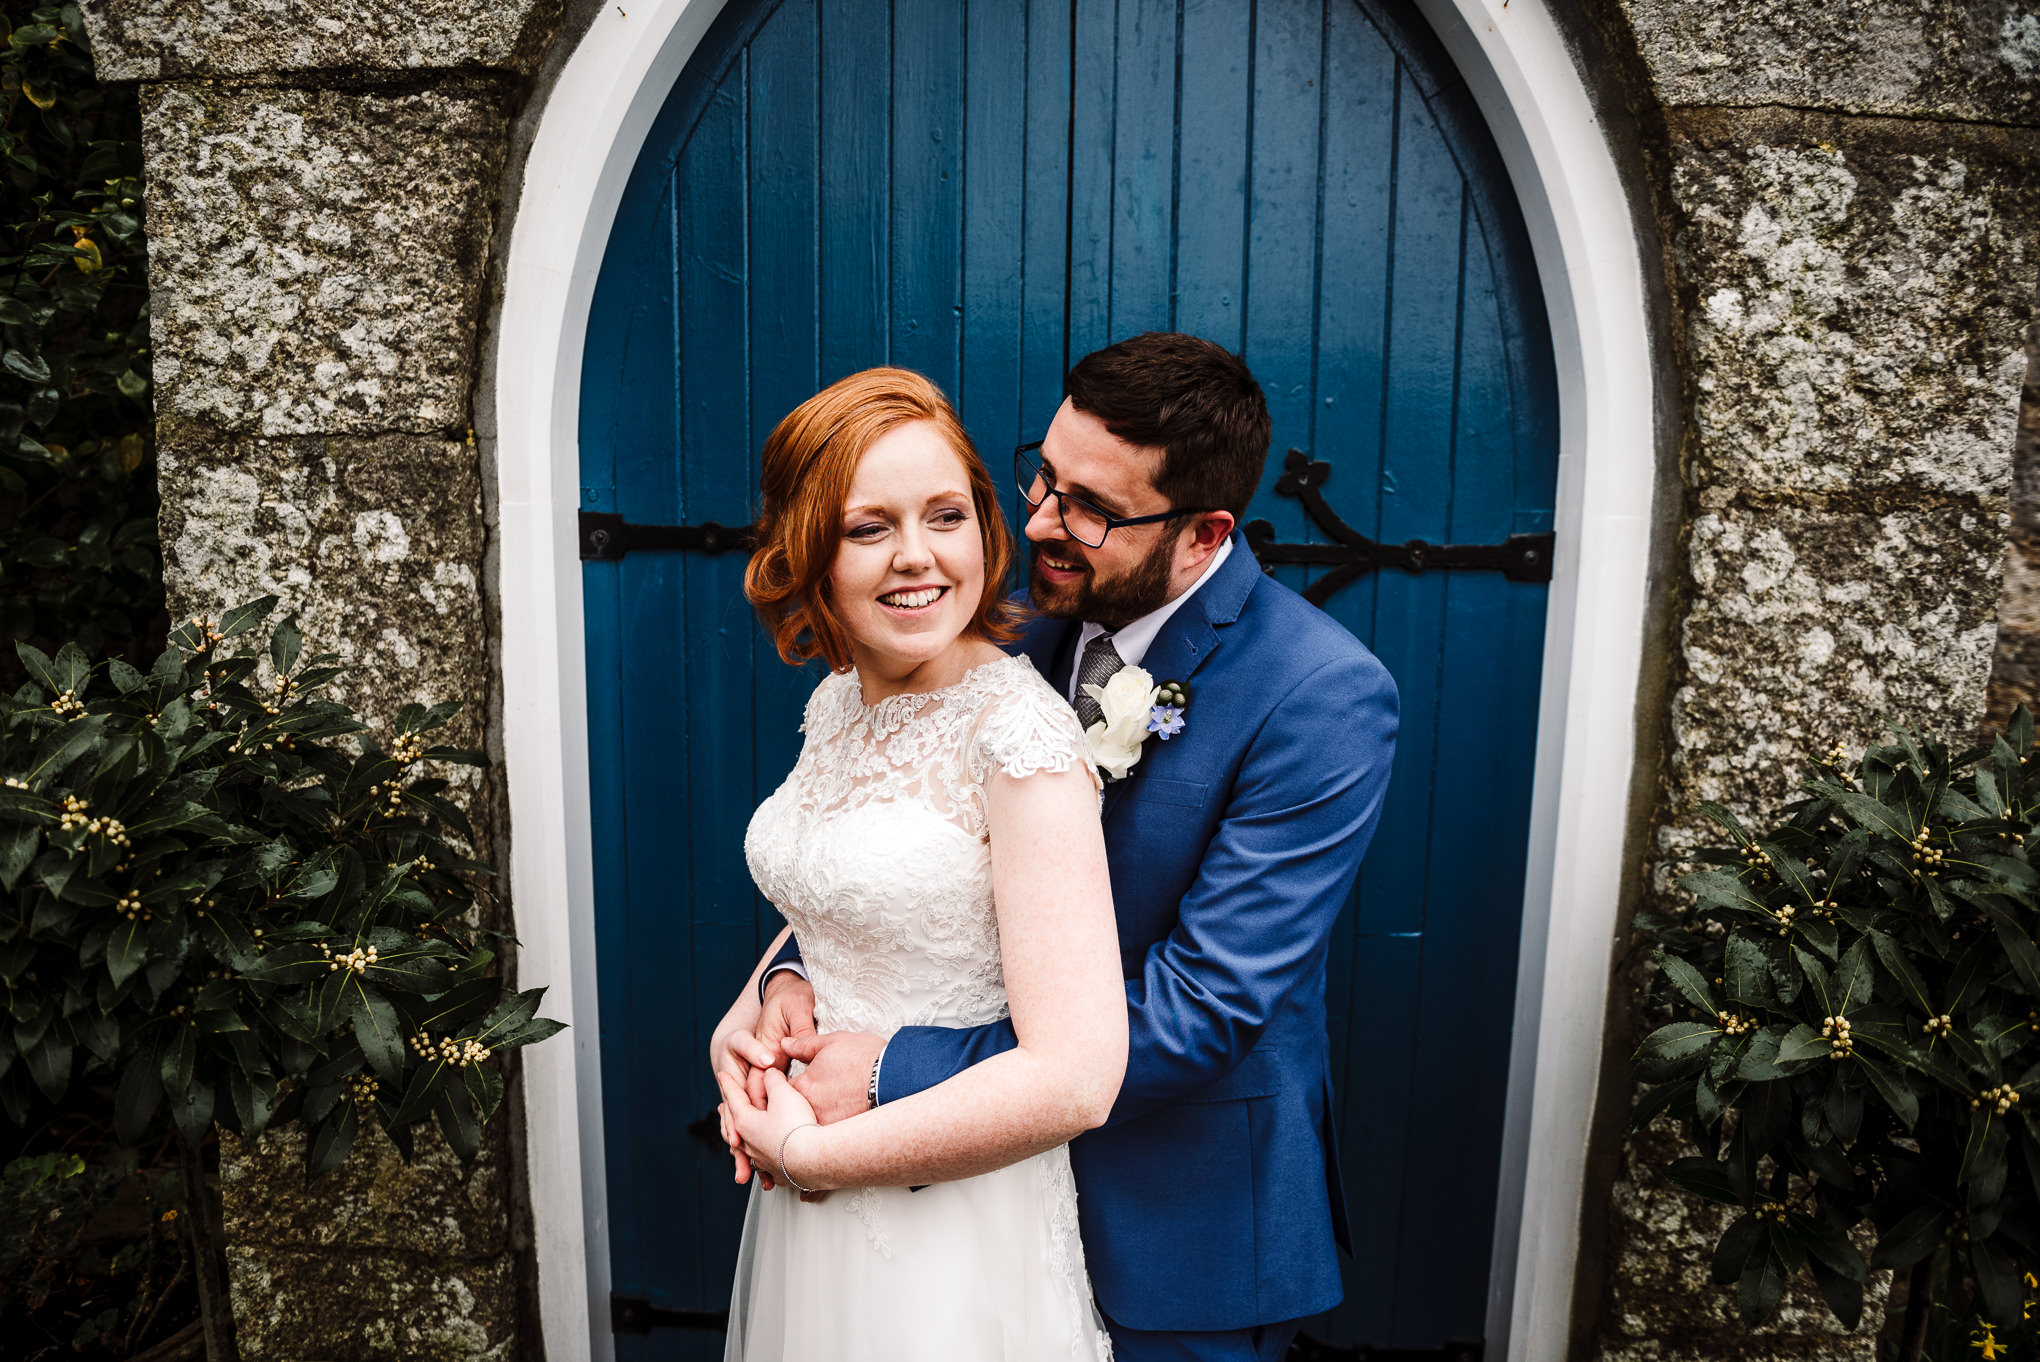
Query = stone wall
x=1850 y=197
x=325 y=180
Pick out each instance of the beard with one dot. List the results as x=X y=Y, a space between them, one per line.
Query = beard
x=1115 y=602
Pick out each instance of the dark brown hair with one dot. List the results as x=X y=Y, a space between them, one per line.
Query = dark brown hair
x=809 y=463
x=1194 y=400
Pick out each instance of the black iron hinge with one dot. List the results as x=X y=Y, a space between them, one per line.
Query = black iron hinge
x=606 y=537
x=636 y=1315
x=1352 y=555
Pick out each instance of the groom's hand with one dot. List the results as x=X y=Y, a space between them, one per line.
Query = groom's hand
x=837 y=1079
x=788 y=1013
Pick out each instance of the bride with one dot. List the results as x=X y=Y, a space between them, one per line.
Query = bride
x=938 y=850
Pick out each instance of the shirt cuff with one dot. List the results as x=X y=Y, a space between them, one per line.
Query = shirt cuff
x=785 y=967
x=876 y=1065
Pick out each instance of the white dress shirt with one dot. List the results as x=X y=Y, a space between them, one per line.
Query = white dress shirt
x=1135 y=639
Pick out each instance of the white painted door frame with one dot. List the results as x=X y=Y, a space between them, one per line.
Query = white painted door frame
x=1589 y=260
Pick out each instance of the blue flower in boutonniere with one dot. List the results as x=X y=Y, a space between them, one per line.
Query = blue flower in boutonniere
x=1165 y=713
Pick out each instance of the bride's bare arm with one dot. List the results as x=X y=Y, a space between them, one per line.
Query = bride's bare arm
x=1060 y=950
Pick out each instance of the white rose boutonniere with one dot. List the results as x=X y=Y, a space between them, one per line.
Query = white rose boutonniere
x=1133 y=708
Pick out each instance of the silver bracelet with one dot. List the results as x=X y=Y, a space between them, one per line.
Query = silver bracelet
x=785 y=1176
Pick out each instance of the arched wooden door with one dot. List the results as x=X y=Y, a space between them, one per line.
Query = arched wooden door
x=985 y=190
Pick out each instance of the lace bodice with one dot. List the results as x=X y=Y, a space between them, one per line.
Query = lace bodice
x=877 y=849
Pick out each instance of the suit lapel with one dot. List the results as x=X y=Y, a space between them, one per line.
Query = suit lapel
x=1191 y=635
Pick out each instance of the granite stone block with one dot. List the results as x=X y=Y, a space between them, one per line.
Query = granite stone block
x=316 y=257
x=1856 y=297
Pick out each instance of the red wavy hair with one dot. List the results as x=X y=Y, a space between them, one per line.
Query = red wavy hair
x=809 y=463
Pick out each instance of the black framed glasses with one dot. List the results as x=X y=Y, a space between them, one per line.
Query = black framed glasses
x=1082 y=520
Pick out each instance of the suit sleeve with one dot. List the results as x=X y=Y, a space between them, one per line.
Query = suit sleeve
x=788 y=958
x=1256 y=920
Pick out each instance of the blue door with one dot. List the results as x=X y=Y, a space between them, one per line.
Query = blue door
x=985 y=191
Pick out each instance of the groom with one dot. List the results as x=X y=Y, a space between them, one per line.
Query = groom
x=1210 y=1201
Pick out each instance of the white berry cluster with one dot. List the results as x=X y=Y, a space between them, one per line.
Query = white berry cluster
x=362 y=1088
x=448 y=1050
x=1772 y=1210
x=129 y=906
x=1754 y=859
x=1733 y=1024
x=2003 y=1097
x=357 y=960
x=395 y=792
x=421 y=866
x=68 y=705
x=278 y=693
x=212 y=636
x=78 y=814
x=14 y=784
x=1784 y=915
x=1835 y=755
x=1923 y=853
x=1938 y=1026
x=1840 y=1044
x=406 y=749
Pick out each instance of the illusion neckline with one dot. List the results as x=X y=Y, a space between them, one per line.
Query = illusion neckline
x=914 y=699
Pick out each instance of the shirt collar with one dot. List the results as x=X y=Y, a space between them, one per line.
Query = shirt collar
x=1133 y=641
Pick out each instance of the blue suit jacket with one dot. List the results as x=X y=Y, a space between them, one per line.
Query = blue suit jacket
x=1211 y=1199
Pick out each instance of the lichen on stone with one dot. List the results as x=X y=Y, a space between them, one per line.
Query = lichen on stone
x=315 y=256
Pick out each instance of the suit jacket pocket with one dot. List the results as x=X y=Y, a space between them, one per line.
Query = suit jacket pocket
x=1186 y=794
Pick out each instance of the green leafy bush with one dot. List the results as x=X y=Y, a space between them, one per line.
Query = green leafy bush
x=78 y=553
x=203 y=889
x=1859 y=1033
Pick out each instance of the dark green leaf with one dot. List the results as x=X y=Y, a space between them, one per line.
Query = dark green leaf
x=1742 y=1237
x=457 y=1122
x=1690 y=983
x=136 y=1097
x=331 y=1141
x=377 y=1030
x=1997 y=1281
x=1763 y=1281
x=1916 y=1235
x=242 y=618
x=1706 y=1177
x=1894 y=1089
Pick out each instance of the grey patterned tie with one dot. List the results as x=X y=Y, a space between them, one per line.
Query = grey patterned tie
x=1101 y=662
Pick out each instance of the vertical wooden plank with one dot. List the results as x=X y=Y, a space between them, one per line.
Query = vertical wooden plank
x=1475 y=912
x=1352 y=305
x=1211 y=201
x=609 y=811
x=1093 y=101
x=1416 y=494
x=994 y=236
x=1282 y=236
x=785 y=289
x=699 y=883
x=1143 y=168
x=856 y=156
x=927 y=186
x=630 y=406
x=1044 y=264
x=1374 y=1129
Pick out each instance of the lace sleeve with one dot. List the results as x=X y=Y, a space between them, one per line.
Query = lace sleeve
x=1029 y=729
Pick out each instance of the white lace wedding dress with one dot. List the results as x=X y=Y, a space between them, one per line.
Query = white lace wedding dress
x=876 y=850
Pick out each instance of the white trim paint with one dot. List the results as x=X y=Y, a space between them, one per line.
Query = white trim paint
x=1521 y=71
